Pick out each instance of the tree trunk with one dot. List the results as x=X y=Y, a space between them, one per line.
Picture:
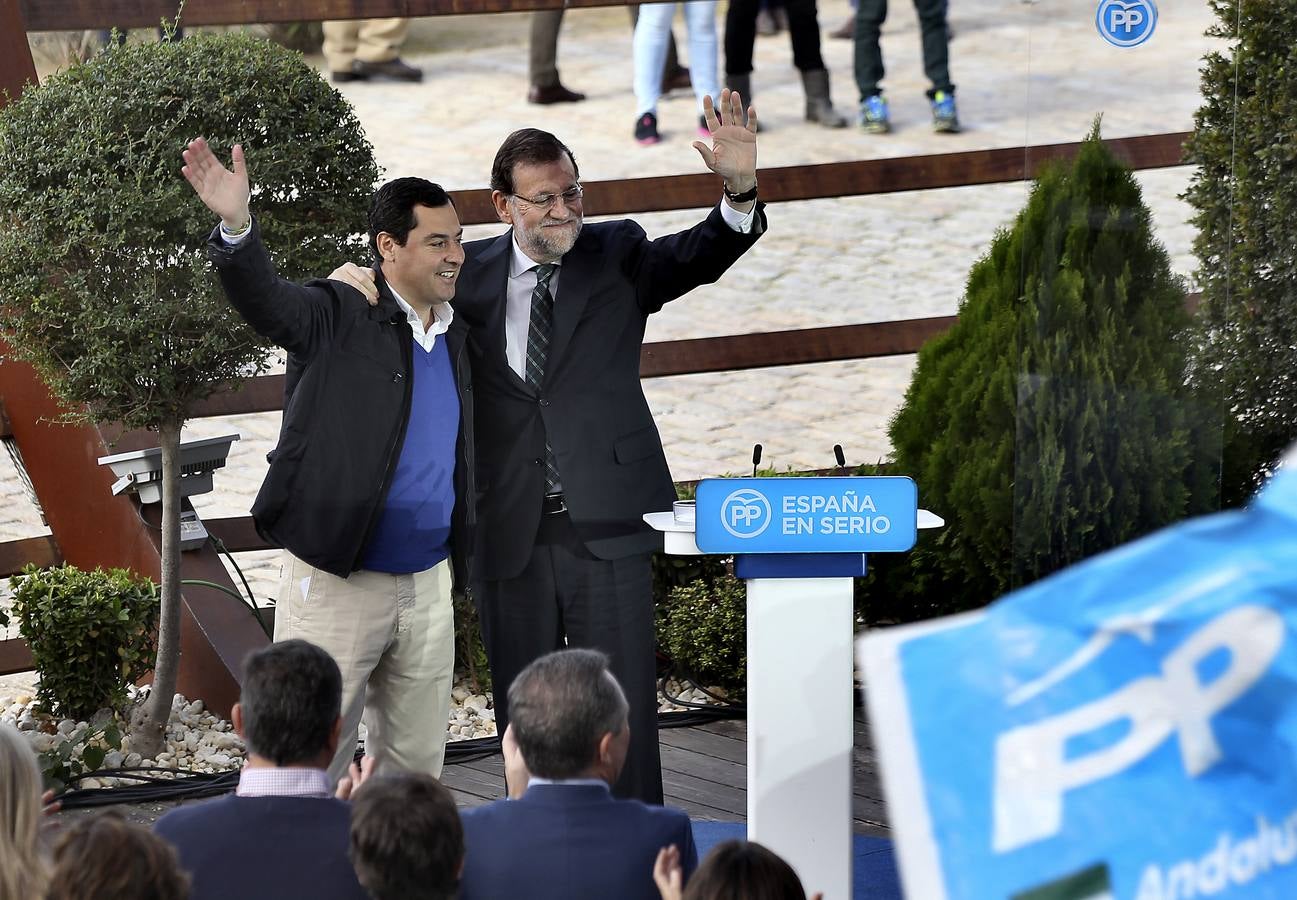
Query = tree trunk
x=149 y=724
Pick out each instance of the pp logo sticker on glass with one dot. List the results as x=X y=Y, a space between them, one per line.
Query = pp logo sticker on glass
x=745 y=513
x=1126 y=24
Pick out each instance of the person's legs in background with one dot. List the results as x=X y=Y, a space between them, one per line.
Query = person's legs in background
x=542 y=62
x=804 y=31
x=700 y=20
x=870 y=15
x=357 y=50
x=652 y=29
x=675 y=77
x=740 y=37
x=935 y=32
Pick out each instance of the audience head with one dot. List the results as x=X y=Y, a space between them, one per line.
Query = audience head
x=744 y=870
x=108 y=858
x=22 y=874
x=569 y=716
x=406 y=839
x=290 y=704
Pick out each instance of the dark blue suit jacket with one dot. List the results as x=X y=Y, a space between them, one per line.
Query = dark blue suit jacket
x=569 y=842
x=264 y=847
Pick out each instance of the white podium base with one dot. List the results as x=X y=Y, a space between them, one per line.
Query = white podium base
x=800 y=726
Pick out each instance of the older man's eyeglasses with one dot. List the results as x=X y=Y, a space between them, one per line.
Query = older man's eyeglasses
x=546 y=201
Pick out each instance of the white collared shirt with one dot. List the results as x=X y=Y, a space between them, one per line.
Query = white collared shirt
x=289 y=781
x=442 y=315
x=522 y=280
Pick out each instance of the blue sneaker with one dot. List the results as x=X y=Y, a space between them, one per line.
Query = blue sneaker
x=873 y=115
x=945 y=120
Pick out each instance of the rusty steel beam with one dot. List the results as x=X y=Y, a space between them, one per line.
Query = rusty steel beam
x=15 y=656
x=16 y=67
x=42 y=551
x=789 y=348
x=237 y=533
x=90 y=526
x=61 y=15
x=94 y=528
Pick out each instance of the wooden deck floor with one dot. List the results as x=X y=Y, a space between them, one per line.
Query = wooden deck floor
x=704 y=772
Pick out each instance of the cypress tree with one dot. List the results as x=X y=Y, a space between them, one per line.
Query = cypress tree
x=1053 y=421
x=1245 y=192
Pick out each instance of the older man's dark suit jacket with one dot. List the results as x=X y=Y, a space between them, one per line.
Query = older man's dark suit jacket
x=591 y=404
x=569 y=842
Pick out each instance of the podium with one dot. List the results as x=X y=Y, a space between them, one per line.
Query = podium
x=798 y=543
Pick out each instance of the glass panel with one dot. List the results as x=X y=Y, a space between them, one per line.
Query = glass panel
x=1115 y=436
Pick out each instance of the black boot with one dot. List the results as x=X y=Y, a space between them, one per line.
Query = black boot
x=819 y=108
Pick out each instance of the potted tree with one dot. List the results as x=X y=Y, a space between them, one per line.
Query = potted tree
x=106 y=287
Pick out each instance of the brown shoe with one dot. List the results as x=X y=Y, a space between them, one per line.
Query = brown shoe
x=392 y=70
x=846 y=31
x=677 y=80
x=553 y=93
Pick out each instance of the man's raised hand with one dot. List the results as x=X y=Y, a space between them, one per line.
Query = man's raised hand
x=733 y=153
x=224 y=192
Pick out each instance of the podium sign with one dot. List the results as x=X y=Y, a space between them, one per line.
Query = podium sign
x=806 y=515
x=1123 y=729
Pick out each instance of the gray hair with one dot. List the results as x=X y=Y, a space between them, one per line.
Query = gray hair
x=561 y=706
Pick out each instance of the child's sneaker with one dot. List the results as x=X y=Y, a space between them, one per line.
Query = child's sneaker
x=873 y=115
x=945 y=120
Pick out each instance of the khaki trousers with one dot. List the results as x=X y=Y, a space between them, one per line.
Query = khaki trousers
x=368 y=40
x=393 y=637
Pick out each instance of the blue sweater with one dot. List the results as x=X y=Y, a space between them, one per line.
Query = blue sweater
x=264 y=848
x=414 y=526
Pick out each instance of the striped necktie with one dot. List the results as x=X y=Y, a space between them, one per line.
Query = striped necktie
x=538 y=332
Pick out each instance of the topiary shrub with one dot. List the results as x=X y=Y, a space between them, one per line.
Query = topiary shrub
x=1244 y=150
x=107 y=289
x=1052 y=422
x=91 y=634
x=703 y=627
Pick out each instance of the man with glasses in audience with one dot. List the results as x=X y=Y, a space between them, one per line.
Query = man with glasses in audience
x=568 y=456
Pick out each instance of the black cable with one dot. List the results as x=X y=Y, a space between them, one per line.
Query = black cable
x=186 y=786
x=243 y=601
x=735 y=710
x=220 y=548
x=251 y=601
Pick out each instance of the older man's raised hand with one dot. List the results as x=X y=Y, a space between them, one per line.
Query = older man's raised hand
x=733 y=152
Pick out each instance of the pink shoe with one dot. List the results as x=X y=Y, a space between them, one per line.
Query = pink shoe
x=646 y=129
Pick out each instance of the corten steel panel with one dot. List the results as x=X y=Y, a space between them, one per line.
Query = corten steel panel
x=58 y=15
x=92 y=527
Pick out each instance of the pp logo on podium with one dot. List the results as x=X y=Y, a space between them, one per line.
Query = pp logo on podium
x=745 y=513
x=1126 y=23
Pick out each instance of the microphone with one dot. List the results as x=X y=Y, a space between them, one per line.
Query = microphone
x=756 y=458
x=841 y=457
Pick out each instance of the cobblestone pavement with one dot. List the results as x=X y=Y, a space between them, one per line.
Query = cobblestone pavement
x=1027 y=73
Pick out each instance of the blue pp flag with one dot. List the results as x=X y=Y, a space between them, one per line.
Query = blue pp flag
x=1126 y=728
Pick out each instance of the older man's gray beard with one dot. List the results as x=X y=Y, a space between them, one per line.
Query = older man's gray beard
x=541 y=241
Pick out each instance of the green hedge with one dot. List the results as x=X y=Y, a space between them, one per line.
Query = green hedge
x=91 y=634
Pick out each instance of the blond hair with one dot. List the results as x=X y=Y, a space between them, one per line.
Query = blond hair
x=24 y=872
